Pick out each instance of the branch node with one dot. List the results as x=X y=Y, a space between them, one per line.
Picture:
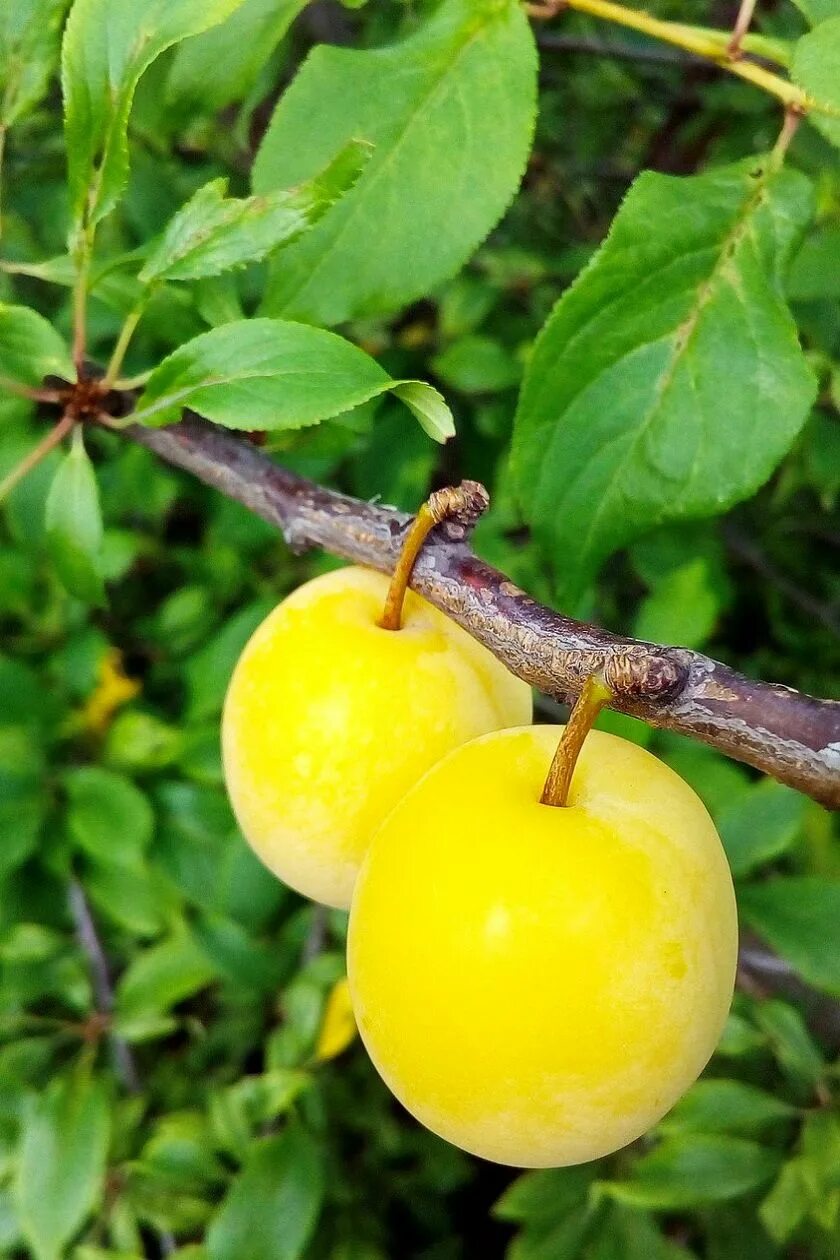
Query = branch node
x=652 y=676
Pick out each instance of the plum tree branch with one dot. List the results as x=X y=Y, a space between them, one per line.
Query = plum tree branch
x=789 y=735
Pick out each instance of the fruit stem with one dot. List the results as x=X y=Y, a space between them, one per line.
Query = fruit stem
x=594 y=695
x=464 y=504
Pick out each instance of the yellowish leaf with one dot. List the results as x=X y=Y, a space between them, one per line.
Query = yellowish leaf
x=338 y=1027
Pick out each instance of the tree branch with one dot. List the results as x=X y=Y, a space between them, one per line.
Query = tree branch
x=777 y=730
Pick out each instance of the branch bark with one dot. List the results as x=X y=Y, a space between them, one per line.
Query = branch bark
x=789 y=735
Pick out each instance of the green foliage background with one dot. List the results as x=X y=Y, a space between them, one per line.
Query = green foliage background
x=161 y=996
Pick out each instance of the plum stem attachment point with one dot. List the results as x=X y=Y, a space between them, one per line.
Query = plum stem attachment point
x=594 y=696
x=463 y=504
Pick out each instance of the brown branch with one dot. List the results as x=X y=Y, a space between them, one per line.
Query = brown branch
x=782 y=732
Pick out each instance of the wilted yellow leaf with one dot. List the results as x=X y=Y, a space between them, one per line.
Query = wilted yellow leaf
x=338 y=1027
x=113 y=689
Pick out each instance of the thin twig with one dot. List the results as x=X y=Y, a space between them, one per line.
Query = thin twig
x=316 y=936
x=751 y=555
x=712 y=45
x=782 y=732
x=103 y=991
x=742 y=25
x=34 y=457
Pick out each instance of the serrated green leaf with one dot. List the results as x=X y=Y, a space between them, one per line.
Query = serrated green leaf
x=30 y=348
x=435 y=106
x=30 y=33
x=220 y=67
x=74 y=524
x=800 y=918
x=62 y=1163
x=107 y=46
x=213 y=232
x=816 y=68
x=273 y=374
x=759 y=824
x=691 y=1171
x=668 y=381
x=718 y=1106
x=107 y=816
x=272 y=1207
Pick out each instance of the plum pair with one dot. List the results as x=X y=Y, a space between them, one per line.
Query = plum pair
x=542 y=938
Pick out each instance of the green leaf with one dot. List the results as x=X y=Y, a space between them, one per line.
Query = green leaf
x=816 y=58
x=759 y=824
x=107 y=816
x=477 y=365
x=688 y=1172
x=717 y=1106
x=162 y=976
x=626 y=1234
x=23 y=799
x=207 y=673
x=450 y=113
x=817 y=11
x=62 y=1163
x=790 y=1041
x=273 y=374
x=74 y=524
x=682 y=608
x=30 y=33
x=272 y=1207
x=107 y=46
x=562 y=1239
x=212 y=232
x=800 y=918
x=668 y=381
x=219 y=67
x=30 y=348
x=544 y=1195
x=815 y=270
x=787 y=1203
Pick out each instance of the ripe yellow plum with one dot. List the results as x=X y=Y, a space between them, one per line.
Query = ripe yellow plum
x=539 y=985
x=329 y=719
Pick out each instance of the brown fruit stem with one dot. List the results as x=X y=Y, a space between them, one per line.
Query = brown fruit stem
x=464 y=504
x=594 y=695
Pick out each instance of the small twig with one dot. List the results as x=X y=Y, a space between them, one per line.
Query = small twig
x=742 y=25
x=790 y=126
x=122 y=343
x=712 y=45
x=43 y=448
x=29 y=392
x=316 y=936
x=753 y=556
x=103 y=992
